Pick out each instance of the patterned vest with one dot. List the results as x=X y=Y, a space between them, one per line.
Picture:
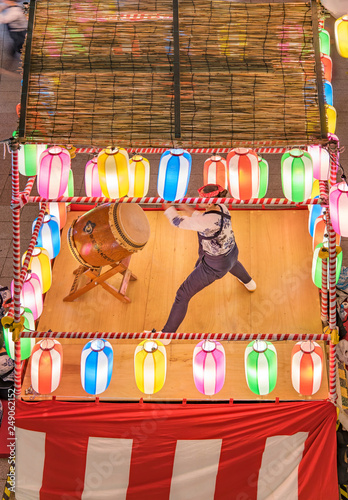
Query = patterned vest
x=221 y=240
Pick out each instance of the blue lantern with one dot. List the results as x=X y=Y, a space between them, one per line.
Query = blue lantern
x=328 y=93
x=314 y=212
x=96 y=366
x=49 y=235
x=174 y=174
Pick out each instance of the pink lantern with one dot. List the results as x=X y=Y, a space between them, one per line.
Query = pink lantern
x=209 y=366
x=306 y=367
x=53 y=172
x=215 y=171
x=92 y=184
x=46 y=366
x=338 y=202
x=31 y=294
x=321 y=162
x=243 y=173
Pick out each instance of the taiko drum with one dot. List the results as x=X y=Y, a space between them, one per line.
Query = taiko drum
x=107 y=234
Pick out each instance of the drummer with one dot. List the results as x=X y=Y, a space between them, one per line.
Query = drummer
x=217 y=252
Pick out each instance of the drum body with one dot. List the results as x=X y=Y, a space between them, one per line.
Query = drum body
x=107 y=234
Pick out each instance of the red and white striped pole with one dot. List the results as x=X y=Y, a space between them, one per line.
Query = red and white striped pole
x=332 y=369
x=324 y=194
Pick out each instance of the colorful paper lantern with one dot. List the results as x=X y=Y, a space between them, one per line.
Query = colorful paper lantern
x=317 y=263
x=139 y=176
x=306 y=367
x=326 y=62
x=27 y=345
x=243 y=173
x=264 y=174
x=96 y=366
x=209 y=366
x=53 y=172
x=49 y=235
x=40 y=265
x=331 y=118
x=324 y=42
x=46 y=366
x=31 y=294
x=260 y=360
x=215 y=171
x=174 y=174
x=297 y=175
x=315 y=189
x=70 y=187
x=92 y=183
x=29 y=157
x=113 y=172
x=328 y=92
x=150 y=366
x=320 y=230
x=314 y=212
x=59 y=211
x=321 y=162
x=338 y=202
x=341 y=35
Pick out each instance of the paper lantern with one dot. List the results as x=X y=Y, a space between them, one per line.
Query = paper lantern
x=209 y=366
x=315 y=189
x=28 y=158
x=328 y=92
x=59 y=211
x=113 y=172
x=331 y=118
x=341 y=35
x=260 y=360
x=150 y=366
x=324 y=42
x=70 y=187
x=31 y=294
x=26 y=344
x=317 y=264
x=314 y=212
x=174 y=174
x=49 y=235
x=321 y=162
x=338 y=202
x=215 y=171
x=319 y=233
x=306 y=367
x=139 y=176
x=264 y=174
x=40 y=265
x=53 y=172
x=46 y=366
x=243 y=173
x=297 y=175
x=92 y=184
x=96 y=366
x=326 y=62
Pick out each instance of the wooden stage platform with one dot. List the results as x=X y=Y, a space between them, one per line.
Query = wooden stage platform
x=274 y=246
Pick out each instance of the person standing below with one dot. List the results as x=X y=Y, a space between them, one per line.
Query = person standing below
x=218 y=251
x=12 y=14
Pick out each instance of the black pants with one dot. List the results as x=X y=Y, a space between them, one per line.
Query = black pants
x=18 y=38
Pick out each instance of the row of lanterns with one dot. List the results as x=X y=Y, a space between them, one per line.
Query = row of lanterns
x=150 y=366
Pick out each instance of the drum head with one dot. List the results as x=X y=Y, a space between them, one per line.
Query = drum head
x=129 y=225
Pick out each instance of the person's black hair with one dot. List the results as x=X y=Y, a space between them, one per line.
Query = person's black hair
x=209 y=188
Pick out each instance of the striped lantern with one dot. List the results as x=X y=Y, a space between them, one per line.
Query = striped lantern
x=264 y=174
x=28 y=158
x=96 y=366
x=70 y=187
x=31 y=294
x=243 y=173
x=315 y=189
x=46 y=366
x=209 y=367
x=320 y=230
x=319 y=251
x=306 y=367
x=341 y=35
x=326 y=62
x=150 y=366
x=331 y=118
x=215 y=171
x=139 y=176
x=321 y=162
x=297 y=175
x=261 y=367
x=328 y=92
x=40 y=264
x=324 y=42
x=53 y=172
x=315 y=211
x=49 y=235
x=338 y=203
x=113 y=172
x=26 y=344
x=59 y=211
x=92 y=183
x=174 y=174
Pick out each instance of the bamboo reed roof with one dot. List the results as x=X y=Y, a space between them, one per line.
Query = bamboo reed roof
x=101 y=72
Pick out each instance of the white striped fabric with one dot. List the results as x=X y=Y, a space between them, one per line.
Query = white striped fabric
x=30 y=459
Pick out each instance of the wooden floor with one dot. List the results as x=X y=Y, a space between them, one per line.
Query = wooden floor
x=274 y=246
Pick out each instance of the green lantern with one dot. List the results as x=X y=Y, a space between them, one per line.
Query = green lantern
x=261 y=367
x=320 y=253
x=28 y=158
x=263 y=166
x=324 y=42
x=297 y=175
x=26 y=344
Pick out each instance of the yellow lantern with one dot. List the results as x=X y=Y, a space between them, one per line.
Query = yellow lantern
x=113 y=165
x=150 y=366
x=341 y=35
x=331 y=117
x=40 y=264
x=139 y=176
